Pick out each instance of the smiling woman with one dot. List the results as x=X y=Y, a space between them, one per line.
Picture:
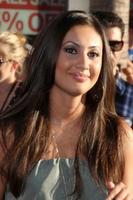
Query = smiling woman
x=82 y=60
x=59 y=141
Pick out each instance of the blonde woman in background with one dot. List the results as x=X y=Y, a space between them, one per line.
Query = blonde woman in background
x=12 y=57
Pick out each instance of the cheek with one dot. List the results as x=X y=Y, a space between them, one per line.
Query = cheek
x=59 y=71
x=116 y=55
x=63 y=65
x=60 y=64
x=60 y=67
x=95 y=71
x=8 y=69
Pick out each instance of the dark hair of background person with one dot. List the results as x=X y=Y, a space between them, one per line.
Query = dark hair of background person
x=110 y=19
x=29 y=117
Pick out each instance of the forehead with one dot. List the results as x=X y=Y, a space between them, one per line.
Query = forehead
x=84 y=35
x=4 y=50
x=113 y=33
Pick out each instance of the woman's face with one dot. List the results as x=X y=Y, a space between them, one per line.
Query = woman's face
x=79 y=62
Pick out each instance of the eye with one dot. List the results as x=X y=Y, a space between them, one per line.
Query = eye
x=93 y=55
x=1 y=61
x=70 y=50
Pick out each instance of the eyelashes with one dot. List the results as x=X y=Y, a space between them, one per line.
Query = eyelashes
x=70 y=50
x=73 y=51
x=93 y=54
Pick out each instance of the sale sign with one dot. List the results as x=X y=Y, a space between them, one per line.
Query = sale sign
x=28 y=16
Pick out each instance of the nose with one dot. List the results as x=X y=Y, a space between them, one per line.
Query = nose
x=83 y=62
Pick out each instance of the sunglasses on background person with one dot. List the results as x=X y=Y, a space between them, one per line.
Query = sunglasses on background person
x=116 y=45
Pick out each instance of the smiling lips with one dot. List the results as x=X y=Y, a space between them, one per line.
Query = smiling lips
x=80 y=77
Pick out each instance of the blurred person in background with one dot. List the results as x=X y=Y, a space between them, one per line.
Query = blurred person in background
x=114 y=28
x=12 y=59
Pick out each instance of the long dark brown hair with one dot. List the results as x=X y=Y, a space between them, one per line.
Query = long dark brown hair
x=29 y=117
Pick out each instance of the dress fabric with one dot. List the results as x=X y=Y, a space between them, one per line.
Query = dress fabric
x=54 y=180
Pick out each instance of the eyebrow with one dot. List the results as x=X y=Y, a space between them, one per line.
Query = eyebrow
x=71 y=42
x=75 y=43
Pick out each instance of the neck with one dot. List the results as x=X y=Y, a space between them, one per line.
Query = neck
x=66 y=109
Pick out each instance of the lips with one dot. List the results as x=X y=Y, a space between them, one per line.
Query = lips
x=79 y=76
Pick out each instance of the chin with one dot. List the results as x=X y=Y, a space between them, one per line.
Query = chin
x=75 y=93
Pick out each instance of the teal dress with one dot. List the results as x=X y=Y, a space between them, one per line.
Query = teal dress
x=54 y=180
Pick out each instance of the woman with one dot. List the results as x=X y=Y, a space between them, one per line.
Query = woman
x=12 y=56
x=63 y=139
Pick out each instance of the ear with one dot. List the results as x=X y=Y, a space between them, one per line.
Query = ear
x=15 y=65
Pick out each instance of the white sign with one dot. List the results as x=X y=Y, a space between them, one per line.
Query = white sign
x=28 y=16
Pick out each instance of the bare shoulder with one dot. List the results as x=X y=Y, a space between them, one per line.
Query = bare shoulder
x=127 y=140
x=127 y=137
x=127 y=131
